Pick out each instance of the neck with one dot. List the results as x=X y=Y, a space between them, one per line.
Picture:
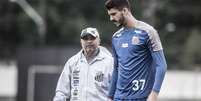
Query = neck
x=131 y=21
x=90 y=57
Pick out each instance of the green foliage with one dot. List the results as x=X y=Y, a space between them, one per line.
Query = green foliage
x=192 y=54
x=175 y=21
x=178 y=41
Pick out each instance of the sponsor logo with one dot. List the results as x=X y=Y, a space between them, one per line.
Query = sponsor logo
x=138 y=31
x=76 y=73
x=76 y=82
x=76 y=78
x=118 y=35
x=124 y=45
x=75 y=92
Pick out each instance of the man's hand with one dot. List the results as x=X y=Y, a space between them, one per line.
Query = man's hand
x=153 y=96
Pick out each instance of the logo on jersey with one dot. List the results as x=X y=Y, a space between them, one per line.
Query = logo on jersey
x=75 y=83
x=75 y=94
x=118 y=35
x=135 y=40
x=76 y=77
x=138 y=31
x=99 y=76
x=124 y=45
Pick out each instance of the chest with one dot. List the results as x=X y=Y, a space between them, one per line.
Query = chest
x=89 y=72
x=130 y=44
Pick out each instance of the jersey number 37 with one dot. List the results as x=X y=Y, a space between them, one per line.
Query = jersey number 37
x=138 y=84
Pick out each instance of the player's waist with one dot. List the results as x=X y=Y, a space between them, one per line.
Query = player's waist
x=131 y=96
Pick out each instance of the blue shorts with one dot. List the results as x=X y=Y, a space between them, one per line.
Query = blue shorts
x=140 y=99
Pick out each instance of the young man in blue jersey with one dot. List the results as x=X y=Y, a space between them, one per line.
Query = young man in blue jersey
x=139 y=62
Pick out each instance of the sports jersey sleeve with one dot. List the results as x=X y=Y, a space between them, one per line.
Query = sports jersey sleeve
x=63 y=85
x=161 y=67
x=156 y=49
x=112 y=86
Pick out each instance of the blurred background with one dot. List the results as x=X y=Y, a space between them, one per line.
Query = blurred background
x=38 y=36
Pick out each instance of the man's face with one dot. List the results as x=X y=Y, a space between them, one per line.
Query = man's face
x=89 y=44
x=117 y=17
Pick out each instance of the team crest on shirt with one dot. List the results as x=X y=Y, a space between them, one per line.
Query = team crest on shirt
x=99 y=76
x=135 y=40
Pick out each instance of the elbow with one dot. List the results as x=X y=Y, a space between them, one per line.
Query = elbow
x=163 y=68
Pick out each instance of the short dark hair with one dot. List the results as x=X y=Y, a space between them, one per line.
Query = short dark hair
x=117 y=4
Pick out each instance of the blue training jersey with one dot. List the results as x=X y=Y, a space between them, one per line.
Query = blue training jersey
x=135 y=52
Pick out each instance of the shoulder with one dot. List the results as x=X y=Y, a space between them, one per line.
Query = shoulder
x=150 y=30
x=118 y=32
x=106 y=58
x=74 y=59
x=105 y=53
x=152 y=35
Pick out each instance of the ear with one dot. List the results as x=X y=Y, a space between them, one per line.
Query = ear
x=81 y=42
x=125 y=10
x=99 y=41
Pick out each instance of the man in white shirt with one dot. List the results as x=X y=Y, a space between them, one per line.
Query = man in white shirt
x=86 y=75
